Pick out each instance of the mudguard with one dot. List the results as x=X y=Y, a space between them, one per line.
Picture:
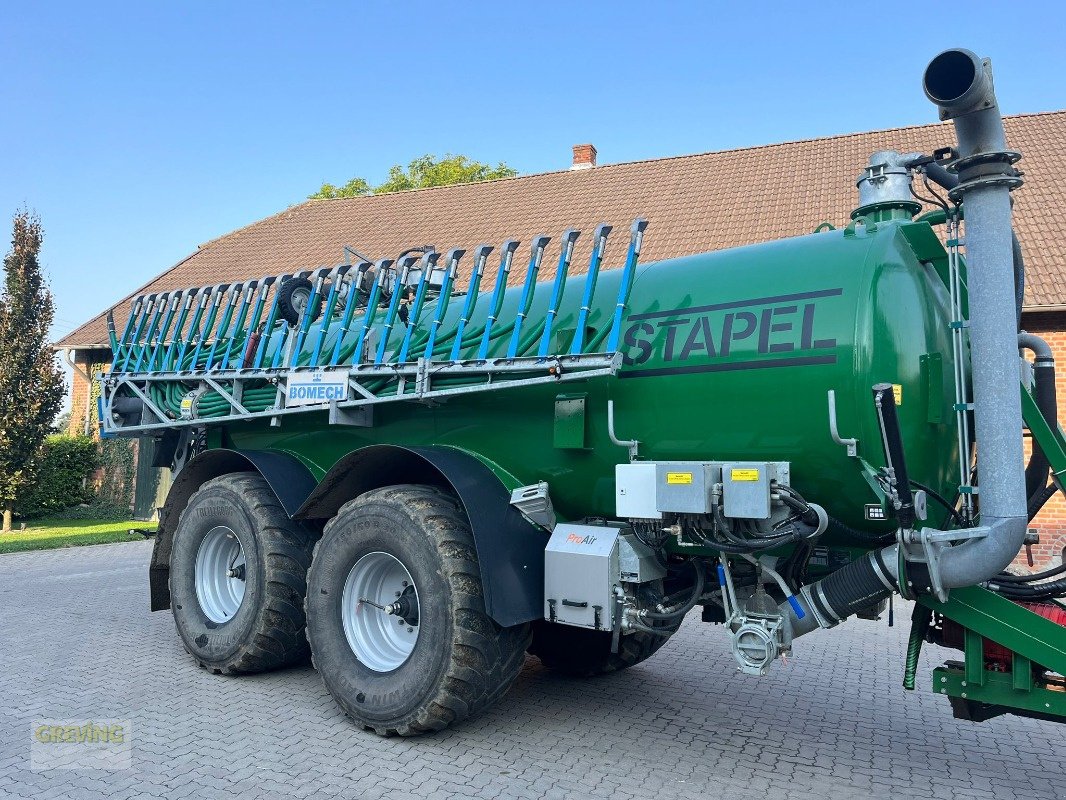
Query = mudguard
x=510 y=549
x=289 y=479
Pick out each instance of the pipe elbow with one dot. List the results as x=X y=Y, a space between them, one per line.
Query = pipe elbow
x=982 y=559
x=1041 y=349
x=958 y=82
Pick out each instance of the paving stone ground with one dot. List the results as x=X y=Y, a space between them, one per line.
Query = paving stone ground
x=79 y=642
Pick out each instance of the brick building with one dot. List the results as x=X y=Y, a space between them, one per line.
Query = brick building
x=694 y=203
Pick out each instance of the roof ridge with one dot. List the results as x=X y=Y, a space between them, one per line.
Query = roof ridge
x=308 y=214
x=601 y=167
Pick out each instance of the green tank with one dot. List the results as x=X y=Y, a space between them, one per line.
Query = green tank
x=784 y=434
x=727 y=355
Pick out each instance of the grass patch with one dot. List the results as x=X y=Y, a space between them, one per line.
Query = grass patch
x=45 y=534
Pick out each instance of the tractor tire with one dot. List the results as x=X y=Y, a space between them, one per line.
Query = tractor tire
x=583 y=653
x=238 y=576
x=438 y=658
x=293 y=296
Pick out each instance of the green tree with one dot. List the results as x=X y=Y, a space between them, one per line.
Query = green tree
x=421 y=173
x=31 y=385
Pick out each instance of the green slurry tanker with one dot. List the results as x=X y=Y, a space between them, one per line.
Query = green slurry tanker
x=418 y=470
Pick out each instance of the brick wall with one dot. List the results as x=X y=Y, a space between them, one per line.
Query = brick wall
x=1051 y=522
x=79 y=390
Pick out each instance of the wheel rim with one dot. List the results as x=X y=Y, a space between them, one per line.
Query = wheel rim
x=220 y=574
x=299 y=300
x=379 y=611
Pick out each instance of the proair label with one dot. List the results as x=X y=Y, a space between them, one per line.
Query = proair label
x=743 y=474
x=679 y=477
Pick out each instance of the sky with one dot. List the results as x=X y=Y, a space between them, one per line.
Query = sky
x=139 y=131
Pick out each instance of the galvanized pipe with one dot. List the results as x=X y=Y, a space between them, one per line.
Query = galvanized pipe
x=961 y=86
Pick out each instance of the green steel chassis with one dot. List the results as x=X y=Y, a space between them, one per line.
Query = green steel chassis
x=976 y=692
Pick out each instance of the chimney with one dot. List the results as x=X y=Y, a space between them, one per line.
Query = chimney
x=584 y=156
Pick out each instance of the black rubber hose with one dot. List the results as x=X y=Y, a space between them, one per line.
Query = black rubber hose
x=1036 y=472
x=1019 y=275
x=1006 y=577
x=874 y=538
x=892 y=444
x=1050 y=591
x=955 y=515
x=851 y=588
x=697 y=593
x=1036 y=503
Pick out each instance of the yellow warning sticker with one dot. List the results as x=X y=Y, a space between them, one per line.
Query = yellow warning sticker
x=679 y=477
x=743 y=474
x=897 y=392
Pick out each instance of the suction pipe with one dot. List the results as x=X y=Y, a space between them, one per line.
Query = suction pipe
x=960 y=84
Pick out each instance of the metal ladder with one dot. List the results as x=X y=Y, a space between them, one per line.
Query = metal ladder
x=225 y=348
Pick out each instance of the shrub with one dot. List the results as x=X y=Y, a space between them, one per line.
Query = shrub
x=96 y=510
x=66 y=462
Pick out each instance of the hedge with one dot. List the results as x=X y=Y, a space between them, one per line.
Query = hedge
x=66 y=463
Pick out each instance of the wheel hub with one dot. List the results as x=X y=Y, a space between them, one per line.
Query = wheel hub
x=220 y=574
x=379 y=611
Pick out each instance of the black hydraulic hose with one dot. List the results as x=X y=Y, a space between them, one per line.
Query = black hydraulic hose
x=892 y=444
x=941 y=177
x=1019 y=275
x=1006 y=577
x=955 y=515
x=697 y=593
x=1046 y=591
x=874 y=538
x=1036 y=503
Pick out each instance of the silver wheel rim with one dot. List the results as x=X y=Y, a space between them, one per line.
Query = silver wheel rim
x=220 y=574
x=299 y=300
x=382 y=641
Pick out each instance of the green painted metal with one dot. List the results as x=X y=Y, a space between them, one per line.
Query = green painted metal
x=1051 y=439
x=999 y=691
x=570 y=421
x=727 y=355
x=985 y=614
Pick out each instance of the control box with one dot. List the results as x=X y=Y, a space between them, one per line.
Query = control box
x=648 y=489
x=635 y=491
x=582 y=566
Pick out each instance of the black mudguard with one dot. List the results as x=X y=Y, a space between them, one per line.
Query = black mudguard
x=290 y=480
x=510 y=549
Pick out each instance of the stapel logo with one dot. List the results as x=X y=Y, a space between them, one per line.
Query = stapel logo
x=760 y=333
x=573 y=538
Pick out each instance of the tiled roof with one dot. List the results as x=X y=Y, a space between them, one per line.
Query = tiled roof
x=693 y=203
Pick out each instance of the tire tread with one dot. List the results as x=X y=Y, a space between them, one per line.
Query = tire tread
x=486 y=658
x=280 y=639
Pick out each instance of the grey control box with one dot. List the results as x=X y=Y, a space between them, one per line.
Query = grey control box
x=746 y=487
x=583 y=565
x=580 y=570
x=634 y=491
x=686 y=487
